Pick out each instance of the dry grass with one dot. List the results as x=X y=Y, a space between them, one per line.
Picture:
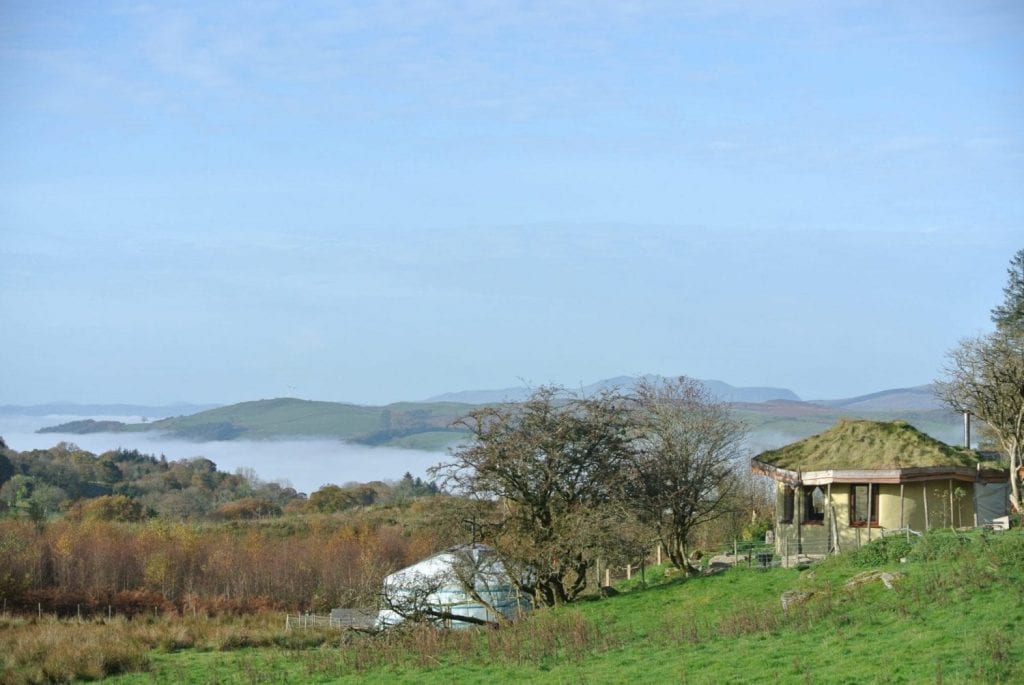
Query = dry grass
x=58 y=650
x=545 y=638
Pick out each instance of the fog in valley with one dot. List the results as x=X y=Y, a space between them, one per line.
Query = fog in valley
x=304 y=464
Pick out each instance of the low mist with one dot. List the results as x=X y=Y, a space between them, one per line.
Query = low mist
x=304 y=464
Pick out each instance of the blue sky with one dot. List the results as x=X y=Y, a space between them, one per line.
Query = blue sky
x=216 y=202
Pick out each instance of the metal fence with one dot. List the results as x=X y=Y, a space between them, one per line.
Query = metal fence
x=337 y=619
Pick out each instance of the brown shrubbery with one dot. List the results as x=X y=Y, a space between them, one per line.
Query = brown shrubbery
x=89 y=566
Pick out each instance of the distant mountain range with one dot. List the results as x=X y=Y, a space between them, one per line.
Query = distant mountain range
x=921 y=397
x=722 y=391
x=774 y=416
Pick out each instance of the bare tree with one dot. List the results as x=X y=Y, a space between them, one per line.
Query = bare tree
x=985 y=376
x=555 y=464
x=685 y=466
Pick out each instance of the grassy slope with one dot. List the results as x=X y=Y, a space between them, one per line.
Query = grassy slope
x=284 y=417
x=403 y=424
x=956 y=620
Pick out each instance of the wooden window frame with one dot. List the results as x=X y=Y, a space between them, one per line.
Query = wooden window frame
x=861 y=522
x=811 y=517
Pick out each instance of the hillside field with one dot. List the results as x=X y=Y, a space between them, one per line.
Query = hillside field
x=955 y=615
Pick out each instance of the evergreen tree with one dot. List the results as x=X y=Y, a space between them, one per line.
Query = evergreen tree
x=1009 y=316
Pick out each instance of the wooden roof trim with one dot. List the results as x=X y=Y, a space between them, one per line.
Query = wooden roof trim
x=890 y=475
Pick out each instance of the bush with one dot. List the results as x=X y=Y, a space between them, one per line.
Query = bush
x=884 y=551
x=940 y=545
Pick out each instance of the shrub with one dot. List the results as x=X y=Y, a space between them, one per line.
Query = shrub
x=940 y=545
x=884 y=551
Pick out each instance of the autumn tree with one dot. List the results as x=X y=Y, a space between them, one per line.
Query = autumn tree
x=684 y=473
x=113 y=508
x=555 y=463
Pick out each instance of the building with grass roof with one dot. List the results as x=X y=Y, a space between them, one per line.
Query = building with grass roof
x=861 y=479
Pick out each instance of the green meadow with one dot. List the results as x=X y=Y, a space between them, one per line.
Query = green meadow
x=954 y=614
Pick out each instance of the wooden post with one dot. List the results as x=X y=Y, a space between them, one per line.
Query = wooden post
x=659 y=554
x=629 y=571
x=829 y=514
x=952 y=518
x=902 y=525
x=735 y=552
x=835 y=528
x=607 y=576
x=798 y=507
x=869 y=512
x=974 y=496
x=924 y=489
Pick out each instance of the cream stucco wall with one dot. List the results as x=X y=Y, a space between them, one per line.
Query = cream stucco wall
x=814 y=538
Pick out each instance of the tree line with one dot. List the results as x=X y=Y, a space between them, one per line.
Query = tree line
x=127 y=485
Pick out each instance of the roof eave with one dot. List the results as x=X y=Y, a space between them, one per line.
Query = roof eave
x=887 y=475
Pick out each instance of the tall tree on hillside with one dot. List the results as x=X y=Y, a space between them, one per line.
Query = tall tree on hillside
x=1010 y=314
x=555 y=464
x=685 y=467
x=985 y=375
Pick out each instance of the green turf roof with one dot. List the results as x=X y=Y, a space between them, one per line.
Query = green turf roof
x=868 y=445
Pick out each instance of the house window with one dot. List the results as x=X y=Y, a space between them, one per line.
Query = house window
x=859 y=505
x=787 y=505
x=814 y=505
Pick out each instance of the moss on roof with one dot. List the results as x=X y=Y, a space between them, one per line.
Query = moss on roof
x=868 y=445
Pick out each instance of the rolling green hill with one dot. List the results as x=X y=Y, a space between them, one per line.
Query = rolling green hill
x=429 y=425
x=405 y=424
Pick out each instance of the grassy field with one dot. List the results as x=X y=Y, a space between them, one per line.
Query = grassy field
x=955 y=615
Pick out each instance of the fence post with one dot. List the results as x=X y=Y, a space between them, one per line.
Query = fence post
x=607 y=576
x=629 y=571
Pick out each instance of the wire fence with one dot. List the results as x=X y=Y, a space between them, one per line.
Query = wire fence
x=337 y=619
